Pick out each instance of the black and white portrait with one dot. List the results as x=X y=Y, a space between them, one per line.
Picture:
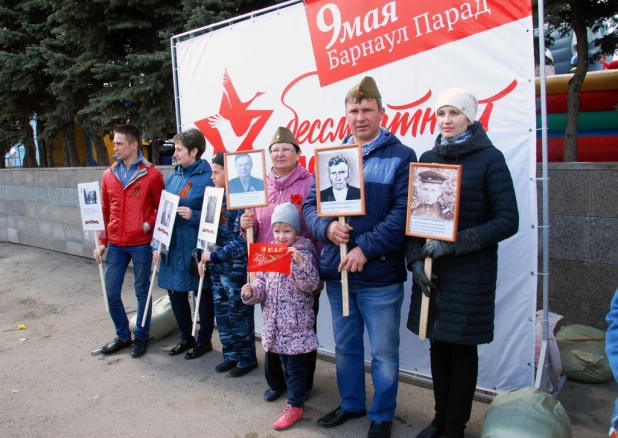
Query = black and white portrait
x=211 y=210
x=433 y=200
x=90 y=207
x=211 y=214
x=90 y=196
x=245 y=173
x=339 y=176
x=167 y=213
x=339 y=180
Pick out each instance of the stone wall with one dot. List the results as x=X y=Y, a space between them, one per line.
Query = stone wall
x=39 y=207
x=583 y=240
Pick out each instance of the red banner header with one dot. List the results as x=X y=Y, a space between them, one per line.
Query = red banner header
x=353 y=36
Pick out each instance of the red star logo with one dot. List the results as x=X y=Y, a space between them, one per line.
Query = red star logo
x=239 y=124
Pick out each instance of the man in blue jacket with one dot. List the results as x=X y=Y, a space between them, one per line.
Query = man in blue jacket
x=375 y=262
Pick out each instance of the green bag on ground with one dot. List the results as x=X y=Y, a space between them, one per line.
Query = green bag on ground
x=583 y=360
x=162 y=322
x=526 y=413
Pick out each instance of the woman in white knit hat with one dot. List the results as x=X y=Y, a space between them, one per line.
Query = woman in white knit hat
x=463 y=285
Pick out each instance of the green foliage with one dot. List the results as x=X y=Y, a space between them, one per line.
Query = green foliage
x=23 y=85
x=95 y=62
x=594 y=14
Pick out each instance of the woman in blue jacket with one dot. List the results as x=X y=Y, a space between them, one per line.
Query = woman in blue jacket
x=463 y=292
x=188 y=180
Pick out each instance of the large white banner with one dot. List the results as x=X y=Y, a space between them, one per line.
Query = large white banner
x=293 y=67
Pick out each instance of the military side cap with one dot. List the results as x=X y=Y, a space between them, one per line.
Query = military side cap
x=284 y=135
x=429 y=176
x=366 y=89
x=218 y=159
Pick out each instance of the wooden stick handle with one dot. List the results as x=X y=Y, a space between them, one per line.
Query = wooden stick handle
x=96 y=248
x=197 y=303
x=152 y=279
x=422 y=326
x=250 y=240
x=582 y=340
x=344 y=275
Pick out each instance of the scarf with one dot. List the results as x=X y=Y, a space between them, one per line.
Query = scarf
x=459 y=138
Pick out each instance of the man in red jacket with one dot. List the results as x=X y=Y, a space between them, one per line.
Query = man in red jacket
x=130 y=194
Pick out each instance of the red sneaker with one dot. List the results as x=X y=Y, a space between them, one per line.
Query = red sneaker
x=289 y=416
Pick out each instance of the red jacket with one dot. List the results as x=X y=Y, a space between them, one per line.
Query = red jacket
x=126 y=209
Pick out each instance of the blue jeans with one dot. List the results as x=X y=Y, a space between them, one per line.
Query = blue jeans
x=116 y=264
x=379 y=309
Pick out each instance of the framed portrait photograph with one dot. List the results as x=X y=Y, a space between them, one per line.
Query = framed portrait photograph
x=166 y=216
x=245 y=179
x=90 y=206
x=340 y=187
x=433 y=201
x=209 y=221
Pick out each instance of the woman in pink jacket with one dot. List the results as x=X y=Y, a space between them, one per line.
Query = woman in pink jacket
x=287 y=181
x=288 y=309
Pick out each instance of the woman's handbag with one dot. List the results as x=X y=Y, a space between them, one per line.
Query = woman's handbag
x=196 y=256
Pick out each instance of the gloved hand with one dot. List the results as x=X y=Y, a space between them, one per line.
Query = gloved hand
x=420 y=279
x=437 y=248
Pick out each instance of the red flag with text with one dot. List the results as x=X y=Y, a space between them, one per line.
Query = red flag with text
x=269 y=257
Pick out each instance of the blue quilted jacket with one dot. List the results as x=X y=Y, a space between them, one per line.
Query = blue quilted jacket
x=189 y=183
x=380 y=233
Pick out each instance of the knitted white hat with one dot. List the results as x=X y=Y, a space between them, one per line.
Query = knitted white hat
x=460 y=99
x=288 y=214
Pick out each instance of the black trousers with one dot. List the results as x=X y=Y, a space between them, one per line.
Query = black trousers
x=454 y=369
x=272 y=363
x=182 y=313
x=295 y=370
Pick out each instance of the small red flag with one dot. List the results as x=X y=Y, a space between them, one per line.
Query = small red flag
x=269 y=257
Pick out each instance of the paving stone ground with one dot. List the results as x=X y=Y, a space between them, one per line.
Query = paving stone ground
x=50 y=385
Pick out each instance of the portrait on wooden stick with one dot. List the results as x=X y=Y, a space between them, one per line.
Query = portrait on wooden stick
x=340 y=188
x=245 y=176
x=433 y=201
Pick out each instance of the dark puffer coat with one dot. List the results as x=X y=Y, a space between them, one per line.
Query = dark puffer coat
x=463 y=309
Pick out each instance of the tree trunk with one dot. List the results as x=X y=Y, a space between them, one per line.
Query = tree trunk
x=49 y=151
x=88 y=159
x=3 y=152
x=154 y=147
x=69 y=148
x=576 y=82
x=99 y=146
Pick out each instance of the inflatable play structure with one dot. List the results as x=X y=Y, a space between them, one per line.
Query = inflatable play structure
x=598 y=117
